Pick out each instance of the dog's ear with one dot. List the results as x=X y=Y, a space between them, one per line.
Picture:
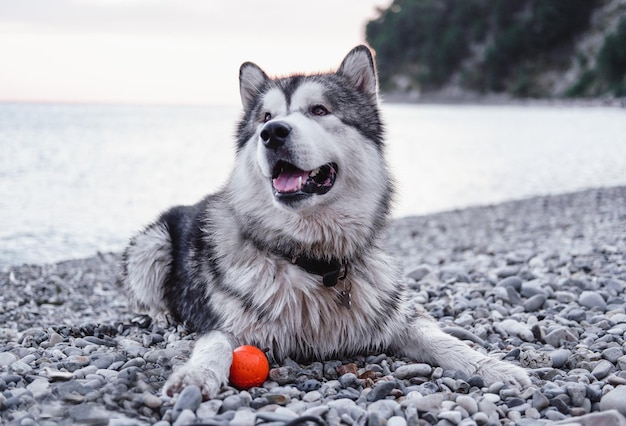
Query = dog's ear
x=251 y=82
x=358 y=66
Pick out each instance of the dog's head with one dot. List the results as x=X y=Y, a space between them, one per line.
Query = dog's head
x=312 y=145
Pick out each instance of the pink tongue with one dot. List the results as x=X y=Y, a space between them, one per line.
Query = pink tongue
x=290 y=181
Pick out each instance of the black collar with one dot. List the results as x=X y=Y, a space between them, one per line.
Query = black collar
x=330 y=271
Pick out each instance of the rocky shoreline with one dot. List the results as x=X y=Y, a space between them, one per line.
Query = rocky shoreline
x=539 y=282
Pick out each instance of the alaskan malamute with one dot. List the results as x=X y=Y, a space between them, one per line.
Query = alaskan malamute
x=288 y=256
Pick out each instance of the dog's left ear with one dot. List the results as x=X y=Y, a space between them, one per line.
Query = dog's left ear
x=358 y=66
x=252 y=80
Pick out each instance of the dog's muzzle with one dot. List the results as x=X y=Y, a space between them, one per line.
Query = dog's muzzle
x=288 y=180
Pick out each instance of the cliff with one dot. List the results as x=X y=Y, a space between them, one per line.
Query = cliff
x=459 y=50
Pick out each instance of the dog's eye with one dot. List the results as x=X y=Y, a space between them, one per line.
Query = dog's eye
x=319 y=110
x=267 y=117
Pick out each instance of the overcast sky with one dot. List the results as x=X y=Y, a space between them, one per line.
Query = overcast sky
x=166 y=51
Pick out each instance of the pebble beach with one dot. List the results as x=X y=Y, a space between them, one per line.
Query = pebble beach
x=539 y=282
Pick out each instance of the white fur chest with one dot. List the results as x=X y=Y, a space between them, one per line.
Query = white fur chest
x=291 y=313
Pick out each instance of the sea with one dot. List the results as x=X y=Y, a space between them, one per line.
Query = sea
x=78 y=179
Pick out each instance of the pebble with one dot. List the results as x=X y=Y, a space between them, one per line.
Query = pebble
x=385 y=408
x=531 y=358
x=413 y=370
x=88 y=414
x=614 y=400
x=151 y=400
x=468 y=403
x=559 y=357
x=608 y=418
x=548 y=295
x=534 y=303
x=7 y=358
x=516 y=328
x=380 y=391
x=602 y=369
x=396 y=421
x=189 y=399
x=560 y=335
x=513 y=282
x=185 y=417
x=591 y=299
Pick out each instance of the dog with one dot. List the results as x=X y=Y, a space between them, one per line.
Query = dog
x=288 y=254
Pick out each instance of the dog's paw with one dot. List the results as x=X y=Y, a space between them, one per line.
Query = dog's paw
x=186 y=375
x=493 y=370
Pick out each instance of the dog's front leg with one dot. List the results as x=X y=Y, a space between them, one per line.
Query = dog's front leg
x=208 y=367
x=424 y=341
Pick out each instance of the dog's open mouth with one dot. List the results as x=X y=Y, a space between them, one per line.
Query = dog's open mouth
x=289 y=180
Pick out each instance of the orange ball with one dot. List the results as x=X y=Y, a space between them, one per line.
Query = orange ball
x=249 y=368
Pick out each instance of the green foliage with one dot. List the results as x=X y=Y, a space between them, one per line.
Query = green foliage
x=425 y=38
x=429 y=39
x=530 y=32
x=609 y=74
x=611 y=63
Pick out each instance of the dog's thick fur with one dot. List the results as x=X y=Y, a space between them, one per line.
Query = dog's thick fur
x=227 y=266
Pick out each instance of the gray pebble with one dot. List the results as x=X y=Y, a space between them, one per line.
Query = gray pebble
x=577 y=393
x=412 y=370
x=511 y=281
x=420 y=272
x=384 y=407
x=373 y=419
x=559 y=335
x=516 y=328
x=190 y=398
x=233 y=403
x=533 y=288
x=7 y=358
x=21 y=368
x=609 y=417
x=283 y=375
x=410 y=413
x=185 y=417
x=534 y=303
x=151 y=401
x=453 y=417
x=612 y=354
x=576 y=314
x=531 y=358
x=244 y=417
x=621 y=363
x=425 y=403
x=559 y=357
x=312 y=396
x=468 y=403
x=592 y=299
x=349 y=380
x=309 y=385
x=615 y=400
x=602 y=369
x=380 y=390
x=89 y=414
x=396 y=421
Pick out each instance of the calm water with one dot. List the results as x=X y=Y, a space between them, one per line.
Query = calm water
x=77 y=179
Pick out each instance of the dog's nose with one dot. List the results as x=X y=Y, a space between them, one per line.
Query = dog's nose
x=274 y=134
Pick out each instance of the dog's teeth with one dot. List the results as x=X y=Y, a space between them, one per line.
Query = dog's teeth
x=299 y=183
x=314 y=172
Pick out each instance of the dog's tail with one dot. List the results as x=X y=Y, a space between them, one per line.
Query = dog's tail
x=146 y=264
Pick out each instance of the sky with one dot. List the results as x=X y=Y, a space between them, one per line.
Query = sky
x=166 y=51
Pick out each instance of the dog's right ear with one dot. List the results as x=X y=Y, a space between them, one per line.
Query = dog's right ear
x=252 y=79
x=359 y=67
